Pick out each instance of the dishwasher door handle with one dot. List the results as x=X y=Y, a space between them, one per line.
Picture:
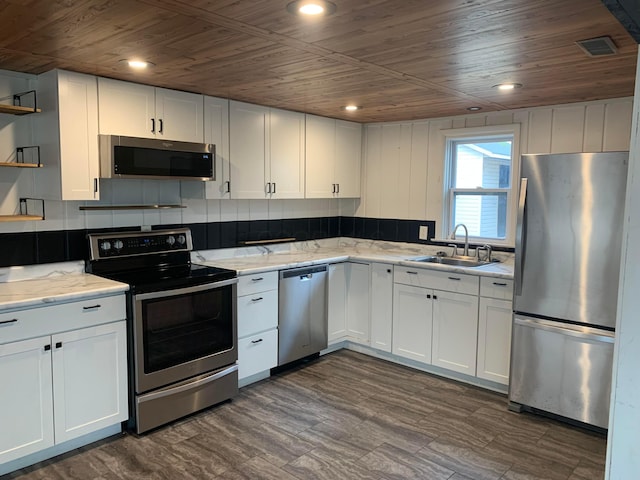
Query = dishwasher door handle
x=306 y=278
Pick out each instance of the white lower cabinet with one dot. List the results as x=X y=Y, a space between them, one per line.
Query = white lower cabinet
x=412 y=322
x=61 y=385
x=494 y=330
x=257 y=325
x=455 y=331
x=381 y=295
x=348 y=302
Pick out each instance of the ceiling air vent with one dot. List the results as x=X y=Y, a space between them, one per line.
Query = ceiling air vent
x=597 y=47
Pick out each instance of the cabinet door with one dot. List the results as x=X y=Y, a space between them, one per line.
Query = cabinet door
x=286 y=171
x=26 y=413
x=216 y=131
x=348 y=158
x=248 y=149
x=358 y=279
x=320 y=157
x=337 y=301
x=78 y=113
x=179 y=116
x=412 y=322
x=455 y=331
x=381 y=294
x=90 y=379
x=126 y=109
x=494 y=340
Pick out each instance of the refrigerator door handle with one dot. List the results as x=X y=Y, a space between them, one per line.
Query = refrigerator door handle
x=520 y=232
x=602 y=336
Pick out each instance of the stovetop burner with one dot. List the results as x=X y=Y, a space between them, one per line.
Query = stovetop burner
x=150 y=261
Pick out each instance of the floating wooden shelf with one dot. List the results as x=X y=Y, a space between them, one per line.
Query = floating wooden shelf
x=20 y=165
x=19 y=218
x=129 y=207
x=18 y=110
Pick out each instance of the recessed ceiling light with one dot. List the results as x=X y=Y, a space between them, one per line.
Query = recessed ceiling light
x=474 y=109
x=507 y=86
x=311 y=8
x=138 y=64
x=351 y=108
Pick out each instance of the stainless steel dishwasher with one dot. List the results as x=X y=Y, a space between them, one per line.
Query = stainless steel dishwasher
x=302 y=327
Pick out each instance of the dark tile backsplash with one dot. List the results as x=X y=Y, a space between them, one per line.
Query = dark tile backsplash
x=66 y=245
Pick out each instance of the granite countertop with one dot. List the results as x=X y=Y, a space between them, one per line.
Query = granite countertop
x=40 y=285
x=250 y=260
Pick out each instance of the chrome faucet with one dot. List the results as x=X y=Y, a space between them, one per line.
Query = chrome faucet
x=466 y=237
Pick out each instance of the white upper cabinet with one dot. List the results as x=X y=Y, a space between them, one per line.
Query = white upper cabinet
x=333 y=158
x=266 y=152
x=68 y=136
x=135 y=110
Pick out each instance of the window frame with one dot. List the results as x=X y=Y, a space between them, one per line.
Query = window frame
x=494 y=132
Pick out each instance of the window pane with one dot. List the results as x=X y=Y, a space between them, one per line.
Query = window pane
x=485 y=215
x=485 y=164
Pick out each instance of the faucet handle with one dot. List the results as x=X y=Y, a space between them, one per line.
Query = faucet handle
x=455 y=249
x=487 y=249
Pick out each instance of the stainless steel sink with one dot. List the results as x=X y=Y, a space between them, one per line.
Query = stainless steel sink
x=455 y=261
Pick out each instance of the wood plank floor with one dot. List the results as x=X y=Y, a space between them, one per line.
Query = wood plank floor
x=345 y=416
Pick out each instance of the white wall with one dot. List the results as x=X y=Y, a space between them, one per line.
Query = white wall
x=623 y=449
x=403 y=162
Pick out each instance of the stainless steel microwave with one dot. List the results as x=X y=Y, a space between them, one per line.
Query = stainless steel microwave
x=131 y=157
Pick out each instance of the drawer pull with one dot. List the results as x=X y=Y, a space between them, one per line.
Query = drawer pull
x=499 y=284
x=256 y=341
x=257 y=279
x=412 y=273
x=7 y=322
x=92 y=307
x=47 y=348
x=58 y=344
x=454 y=278
x=256 y=299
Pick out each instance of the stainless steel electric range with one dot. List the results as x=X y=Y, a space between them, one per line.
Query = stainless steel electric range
x=182 y=323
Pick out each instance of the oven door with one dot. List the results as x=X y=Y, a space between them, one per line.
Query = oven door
x=184 y=332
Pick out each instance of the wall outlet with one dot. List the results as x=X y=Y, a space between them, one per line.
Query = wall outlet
x=423 y=233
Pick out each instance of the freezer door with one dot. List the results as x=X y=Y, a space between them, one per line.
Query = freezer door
x=561 y=368
x=569 y=236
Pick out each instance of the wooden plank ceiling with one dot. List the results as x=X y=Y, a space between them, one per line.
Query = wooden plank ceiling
x=398 y=59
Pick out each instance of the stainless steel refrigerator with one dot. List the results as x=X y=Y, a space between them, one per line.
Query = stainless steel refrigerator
x=568 y=242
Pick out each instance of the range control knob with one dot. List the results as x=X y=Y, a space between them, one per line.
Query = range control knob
x=181 y=239
x=171 y=239
x=118 y=244
x=106 y=246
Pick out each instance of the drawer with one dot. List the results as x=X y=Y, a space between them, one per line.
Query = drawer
x=257 y=353
x=439 y=280
x=256 y=283
x=40 y=321
x=496 y=288
x=257 y=312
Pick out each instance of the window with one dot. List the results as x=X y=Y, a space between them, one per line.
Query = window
x=480 y=174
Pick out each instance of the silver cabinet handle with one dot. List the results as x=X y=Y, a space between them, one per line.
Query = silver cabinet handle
x=256 y=341
x=274 y=187
x=268 y=187
x=256 y=299
x=499 y=284
x=92 y=307
x=8 y=322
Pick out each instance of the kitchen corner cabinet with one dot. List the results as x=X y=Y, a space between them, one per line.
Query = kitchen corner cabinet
x=333 y=158
x=63 y=371
x=381 y=296
x=216 y=132
x=348 y=302
x=266 y=152
x=257 y=325
x=494 y=329
x=136 y=110
x=67 y=132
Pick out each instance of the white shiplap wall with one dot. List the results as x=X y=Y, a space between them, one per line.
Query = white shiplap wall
x=403 y=162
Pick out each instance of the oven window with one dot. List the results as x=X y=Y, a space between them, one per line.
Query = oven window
x=186 y=327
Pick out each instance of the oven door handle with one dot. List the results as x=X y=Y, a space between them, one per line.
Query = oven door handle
x=183 y=291
x=188 y=386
